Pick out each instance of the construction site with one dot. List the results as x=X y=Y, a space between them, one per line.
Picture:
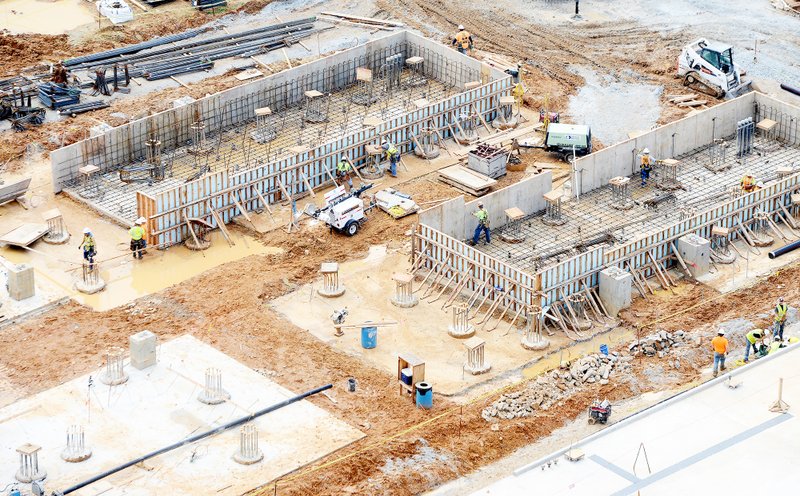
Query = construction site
x=303 y=248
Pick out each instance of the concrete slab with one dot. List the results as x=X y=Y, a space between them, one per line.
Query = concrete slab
x=159 y=406
x=24 y=234
x=422 y=330
x=711 y=429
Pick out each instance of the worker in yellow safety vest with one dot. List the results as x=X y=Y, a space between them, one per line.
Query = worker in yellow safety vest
x=483 y=225
x=780 y=318
x=748 y=182
x=393 y=154
x=89 y=247
x=646 y=166
x=138 y=243
x=753 y=337
x=463 y=40
x=343 y=170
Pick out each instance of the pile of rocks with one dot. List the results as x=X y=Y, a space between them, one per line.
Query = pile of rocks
x=548 y=389
x=657 y=343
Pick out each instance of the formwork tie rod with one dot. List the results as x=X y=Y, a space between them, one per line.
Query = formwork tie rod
x=197 y=437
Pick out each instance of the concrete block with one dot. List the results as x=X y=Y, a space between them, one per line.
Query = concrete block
x=696 y=252
x=615 y=289
x=20 y=282
x=143 y=349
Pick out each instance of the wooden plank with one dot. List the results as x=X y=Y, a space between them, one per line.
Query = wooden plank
x=467 y=177
x=368 y=20
x=11 y=192
x=234 y=197
x=220 y=224
x=24 y=234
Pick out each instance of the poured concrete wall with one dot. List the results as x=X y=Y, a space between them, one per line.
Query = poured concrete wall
x=454 y=217
x=674 y=139
x=125 y=144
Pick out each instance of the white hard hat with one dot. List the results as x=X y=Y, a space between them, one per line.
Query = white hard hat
x=141 y=220
x=780 y=299
x=721 y=332
x=646 y=151
x=460 y=27
x=86 y=230
x=759 y=184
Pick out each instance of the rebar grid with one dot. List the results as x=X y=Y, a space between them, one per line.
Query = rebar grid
x=235 y=150
x=593 y=217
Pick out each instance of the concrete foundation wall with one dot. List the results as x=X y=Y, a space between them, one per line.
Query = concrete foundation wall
x=525 y=195
x=126 y=144
x=674 y=139
x=454 y=217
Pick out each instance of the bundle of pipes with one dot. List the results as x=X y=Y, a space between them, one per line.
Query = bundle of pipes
x=183 y=63
x=80 y=108
x=17 y=87
x=207 y=47
x=118 y=52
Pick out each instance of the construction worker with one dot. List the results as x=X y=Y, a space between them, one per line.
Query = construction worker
x=463 y=40
x=393 y=154
x=753 y=337
x=780 y=318
x=645 y=166
x=483 y=225
x=720 y=346
x=748 y=182
x=138 y=243
x=89 y=247
x=775 y=346
x=343 y=170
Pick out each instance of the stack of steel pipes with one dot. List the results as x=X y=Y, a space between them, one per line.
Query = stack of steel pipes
x=158 y=62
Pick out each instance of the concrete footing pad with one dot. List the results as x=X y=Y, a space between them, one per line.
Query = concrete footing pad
x=90 y=288
x=411 y=302
x=539 y=345
x=468 y=332
x=331 y=294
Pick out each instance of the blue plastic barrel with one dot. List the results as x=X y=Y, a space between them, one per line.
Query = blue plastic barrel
x=369 y=337
x=604 y=349
x=424 y=395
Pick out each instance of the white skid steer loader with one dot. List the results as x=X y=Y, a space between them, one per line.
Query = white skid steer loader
x=708 y=66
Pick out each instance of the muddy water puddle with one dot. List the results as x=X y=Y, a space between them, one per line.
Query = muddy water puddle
x=612 y=339
x=44 y=17
x=127 y=279
x=614 y=105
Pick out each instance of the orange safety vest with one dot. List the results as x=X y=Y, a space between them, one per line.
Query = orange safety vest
x=748 y=183
x=462 y=38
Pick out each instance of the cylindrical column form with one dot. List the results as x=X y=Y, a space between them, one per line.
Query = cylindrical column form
x=199 y=144
x=428 y=143
x=248 y=452
x=532 y=339
x=90 y=281
x=76 y=450
x=466 y=129
x=460 y=328
x=476 y=363
x=404 y=296
x=552 y=216
x=57 y=232
x=115 y=367
x=213 y=393
x=330 y=281
x=29 y=469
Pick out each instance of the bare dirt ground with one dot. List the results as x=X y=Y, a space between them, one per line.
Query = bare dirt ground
x=228 y=310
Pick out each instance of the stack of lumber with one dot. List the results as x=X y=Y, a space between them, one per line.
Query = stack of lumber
x=363 y=21
x=687 y=101
x=466 y=180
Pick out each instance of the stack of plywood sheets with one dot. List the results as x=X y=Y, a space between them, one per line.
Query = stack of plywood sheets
x=466 y=180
